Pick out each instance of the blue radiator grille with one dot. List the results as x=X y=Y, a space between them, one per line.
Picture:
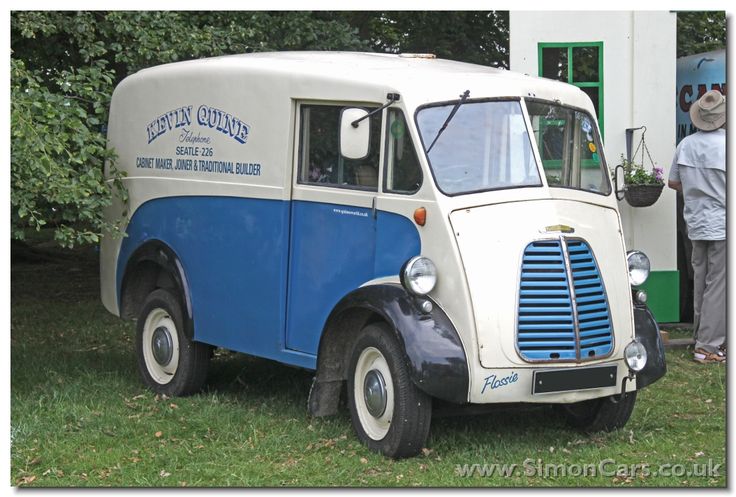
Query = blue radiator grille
x=547 y=316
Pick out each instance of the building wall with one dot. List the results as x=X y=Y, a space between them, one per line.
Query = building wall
x=639 y=57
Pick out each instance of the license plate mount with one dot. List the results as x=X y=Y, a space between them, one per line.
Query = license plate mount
x=569 y=379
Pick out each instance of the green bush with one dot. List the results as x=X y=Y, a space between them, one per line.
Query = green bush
x=58 y=153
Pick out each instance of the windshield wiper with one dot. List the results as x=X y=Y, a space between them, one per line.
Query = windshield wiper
x=462 y=100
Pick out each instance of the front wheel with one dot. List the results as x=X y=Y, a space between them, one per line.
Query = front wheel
x=604 y=414
x=389 y=413
x=170 y=363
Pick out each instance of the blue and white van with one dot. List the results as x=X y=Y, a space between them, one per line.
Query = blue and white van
x=408 y=227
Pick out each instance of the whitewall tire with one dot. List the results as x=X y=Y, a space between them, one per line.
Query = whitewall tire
x=170 y=363
x=389 y=413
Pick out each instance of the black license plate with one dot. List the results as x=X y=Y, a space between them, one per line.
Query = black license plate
x=564 y=380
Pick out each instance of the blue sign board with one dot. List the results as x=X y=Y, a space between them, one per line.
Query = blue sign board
x=697 y=74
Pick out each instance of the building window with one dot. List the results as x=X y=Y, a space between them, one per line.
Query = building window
x=580 y=64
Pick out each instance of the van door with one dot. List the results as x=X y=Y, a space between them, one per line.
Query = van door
x=333 y=222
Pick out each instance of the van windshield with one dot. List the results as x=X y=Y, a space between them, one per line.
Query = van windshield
x=485 y=146
x=569 y=147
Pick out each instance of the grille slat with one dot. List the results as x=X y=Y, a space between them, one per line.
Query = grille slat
x=558 y=319
x=580 y=258
x=544 y=300
x=545 y=327
x=543 y=291
x=546 y=310
x=546 y=320
x=594 y=324
x=594 y=333
x=596 y=306
x=547 y=344
x=595 y=341
x=581 y=275
x=542 y=355
x=540 y=337
x=587 y=291
x=592 y=297
x=591 y=316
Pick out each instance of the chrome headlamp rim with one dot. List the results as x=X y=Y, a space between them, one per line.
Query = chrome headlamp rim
x=632 y=257
x=406 y=280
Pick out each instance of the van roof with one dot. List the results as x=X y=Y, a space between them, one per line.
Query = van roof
x=424 y=77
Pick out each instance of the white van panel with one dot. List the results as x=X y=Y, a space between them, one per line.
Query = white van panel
x=492 y=241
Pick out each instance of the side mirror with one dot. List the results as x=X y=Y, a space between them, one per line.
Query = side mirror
x=619 y=186
x=354 y=140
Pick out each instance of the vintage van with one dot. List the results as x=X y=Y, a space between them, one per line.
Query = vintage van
x=408 y=228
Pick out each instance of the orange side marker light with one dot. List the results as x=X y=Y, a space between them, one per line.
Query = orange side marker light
x=420 y=216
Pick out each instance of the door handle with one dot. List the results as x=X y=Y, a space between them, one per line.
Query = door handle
x=373 y=208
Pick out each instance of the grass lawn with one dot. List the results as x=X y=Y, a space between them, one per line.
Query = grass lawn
x=81 y=417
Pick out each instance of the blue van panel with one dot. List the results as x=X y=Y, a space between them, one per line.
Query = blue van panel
x=332 y=251
x=234 y=254
x=397 y=241
x=335 y=249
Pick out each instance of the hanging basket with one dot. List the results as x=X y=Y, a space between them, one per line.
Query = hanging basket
x=643 y=195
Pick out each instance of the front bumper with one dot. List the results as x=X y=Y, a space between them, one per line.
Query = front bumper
x=510 y=385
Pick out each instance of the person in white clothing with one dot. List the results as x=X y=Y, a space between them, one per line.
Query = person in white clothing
x=699 y=172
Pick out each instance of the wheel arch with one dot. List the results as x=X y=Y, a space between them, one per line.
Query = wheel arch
x=433 y=352
x=151 y=266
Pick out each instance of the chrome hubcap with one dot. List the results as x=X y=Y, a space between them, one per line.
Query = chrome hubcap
x=162 y=346
x=374 y=393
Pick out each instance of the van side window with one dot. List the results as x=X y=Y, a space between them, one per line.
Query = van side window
x=403 y=173
x=320 y=161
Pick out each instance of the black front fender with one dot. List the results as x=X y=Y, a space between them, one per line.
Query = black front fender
x=435 y=356
x=647 y=332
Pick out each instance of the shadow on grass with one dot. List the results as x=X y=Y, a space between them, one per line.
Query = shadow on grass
x=259 y=381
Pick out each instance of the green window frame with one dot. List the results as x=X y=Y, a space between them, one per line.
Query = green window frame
x=570 y=71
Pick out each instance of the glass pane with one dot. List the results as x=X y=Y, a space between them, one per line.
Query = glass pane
x=485 y=146
x=569 y=147
x=554 y=63
x=593 y=93
x=403 y=173
x=585 y=65
x=320 y=159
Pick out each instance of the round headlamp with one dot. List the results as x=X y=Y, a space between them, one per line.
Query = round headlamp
x=639 y=267
x=635 y=356
x=419 y=275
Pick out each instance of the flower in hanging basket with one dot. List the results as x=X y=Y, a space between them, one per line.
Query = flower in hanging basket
x=635 y=174
x=643 y=187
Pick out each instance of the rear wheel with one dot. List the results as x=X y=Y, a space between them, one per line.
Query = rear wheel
x=169 y=362
x=389 y=413
x=605 y=414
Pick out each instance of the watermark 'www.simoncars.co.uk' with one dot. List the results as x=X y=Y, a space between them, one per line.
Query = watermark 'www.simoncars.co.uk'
x=606 y=467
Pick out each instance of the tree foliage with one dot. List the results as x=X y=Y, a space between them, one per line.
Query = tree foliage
x=130 y=41
x=699 y=32
x=471 y=36
x=64 y=66
x=58 y=152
